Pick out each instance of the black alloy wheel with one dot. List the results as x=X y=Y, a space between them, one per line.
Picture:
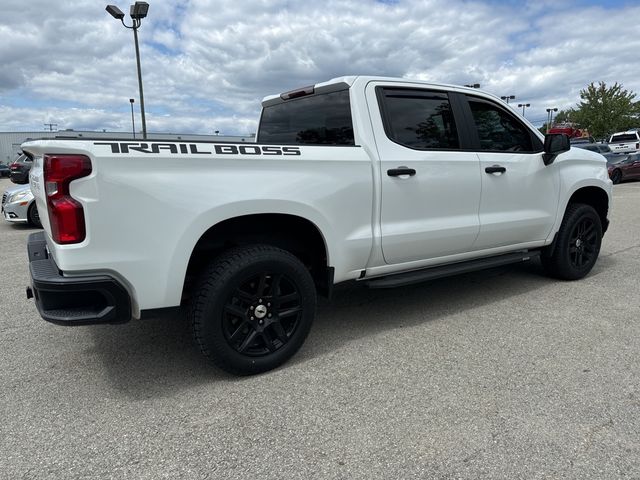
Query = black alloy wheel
x=262 y=314
x=616 y=176
x=253 y=309
x=583 y=243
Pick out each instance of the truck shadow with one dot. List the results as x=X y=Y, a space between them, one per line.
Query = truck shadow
x=157 y=357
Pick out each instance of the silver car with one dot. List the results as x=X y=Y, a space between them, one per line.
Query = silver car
x=19 y=206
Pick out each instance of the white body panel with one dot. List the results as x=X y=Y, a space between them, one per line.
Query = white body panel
x=145 y=212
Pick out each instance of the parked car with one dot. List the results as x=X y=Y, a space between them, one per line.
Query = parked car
x=625 y=142
x=623 y=167
x=20 y=169
x=5 y=171
x=18 y=206
x=575 y=141
x=593 y=147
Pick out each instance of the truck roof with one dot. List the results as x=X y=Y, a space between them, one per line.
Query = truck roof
x=341 y=83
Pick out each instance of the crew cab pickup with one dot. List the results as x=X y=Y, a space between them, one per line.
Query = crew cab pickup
x=376 y=180
x=625 y=142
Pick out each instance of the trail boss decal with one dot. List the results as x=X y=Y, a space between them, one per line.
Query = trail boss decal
x=194 y=149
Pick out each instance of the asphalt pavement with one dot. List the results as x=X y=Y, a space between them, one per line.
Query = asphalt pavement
x=501 y=374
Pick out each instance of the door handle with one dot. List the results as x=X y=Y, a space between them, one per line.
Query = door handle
x=396 y=172
x=495 y=169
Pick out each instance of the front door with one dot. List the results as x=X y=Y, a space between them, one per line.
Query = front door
x=520 y=193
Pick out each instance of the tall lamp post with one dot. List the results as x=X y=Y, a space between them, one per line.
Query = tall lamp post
x=137 y=12
x=550 y=116
x=523 y=105
x=506 y=98
x=133 y=124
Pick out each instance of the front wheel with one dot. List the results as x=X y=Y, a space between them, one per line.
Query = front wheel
x=253 y=309
x=577 y=244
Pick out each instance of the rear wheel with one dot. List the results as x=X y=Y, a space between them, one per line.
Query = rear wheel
x=253 y=309
x=577 y=244
x=33 y=217
x=616 y=176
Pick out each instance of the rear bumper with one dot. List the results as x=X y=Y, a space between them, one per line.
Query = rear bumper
x=81 y=300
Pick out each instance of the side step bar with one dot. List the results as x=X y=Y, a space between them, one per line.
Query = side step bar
x=417 y=276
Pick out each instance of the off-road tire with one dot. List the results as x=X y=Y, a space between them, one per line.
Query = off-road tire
x=221 y=303
x=577 y=244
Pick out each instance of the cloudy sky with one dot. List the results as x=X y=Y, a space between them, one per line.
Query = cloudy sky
x=207 y=63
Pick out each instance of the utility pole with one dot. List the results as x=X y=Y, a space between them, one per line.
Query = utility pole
x=51 y=125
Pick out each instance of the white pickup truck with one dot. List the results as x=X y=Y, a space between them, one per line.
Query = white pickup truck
x=377 y=180
x=625 y=142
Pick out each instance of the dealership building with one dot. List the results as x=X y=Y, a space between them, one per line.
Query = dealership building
x=10 y=141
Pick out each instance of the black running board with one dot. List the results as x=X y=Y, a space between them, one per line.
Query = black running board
x=417 y=276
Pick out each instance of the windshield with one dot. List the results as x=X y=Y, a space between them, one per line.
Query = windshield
x=614 y=158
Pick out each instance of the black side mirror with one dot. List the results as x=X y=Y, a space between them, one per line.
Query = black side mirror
x=554 y=144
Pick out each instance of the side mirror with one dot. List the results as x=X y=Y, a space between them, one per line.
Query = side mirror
x=554 y=144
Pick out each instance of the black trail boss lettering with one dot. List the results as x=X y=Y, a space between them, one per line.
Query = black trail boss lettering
x=226 y=149
x=194 y=149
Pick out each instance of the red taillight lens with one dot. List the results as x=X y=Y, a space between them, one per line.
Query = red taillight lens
x=66 y=215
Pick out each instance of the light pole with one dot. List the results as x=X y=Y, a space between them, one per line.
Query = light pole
x=137 y=12
x=523 y=105
x=133 y=125
x=550 y=116
x=506 y=98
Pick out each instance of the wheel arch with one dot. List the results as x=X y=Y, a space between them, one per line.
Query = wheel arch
x=292 y=233
x=597 y=198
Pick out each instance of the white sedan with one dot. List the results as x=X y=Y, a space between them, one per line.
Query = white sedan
x=18 y=206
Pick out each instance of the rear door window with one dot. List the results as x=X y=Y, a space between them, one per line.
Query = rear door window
x=419 y=119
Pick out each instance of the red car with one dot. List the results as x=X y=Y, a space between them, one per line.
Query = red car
x=623 y=167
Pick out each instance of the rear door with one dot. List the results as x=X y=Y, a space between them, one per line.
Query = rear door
x=519 y=193
x=430 y=184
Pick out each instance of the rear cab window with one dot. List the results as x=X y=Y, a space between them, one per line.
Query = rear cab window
x=624 y=137
x=322 y=119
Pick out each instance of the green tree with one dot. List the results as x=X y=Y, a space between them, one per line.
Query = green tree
x=603 y=110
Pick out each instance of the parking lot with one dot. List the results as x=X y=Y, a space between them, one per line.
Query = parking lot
x=497 y=374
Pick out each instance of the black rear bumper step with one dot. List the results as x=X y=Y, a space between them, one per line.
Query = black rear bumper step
x=81 y=300
x=417 y=276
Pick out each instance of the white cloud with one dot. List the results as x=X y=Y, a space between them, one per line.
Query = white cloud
x=206 y=64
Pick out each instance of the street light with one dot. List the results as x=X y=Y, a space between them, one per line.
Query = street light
x=473 y=85
x=550 y=116
x=506 y=98
x=137 y=12
x=133 y=125
x=523 y=105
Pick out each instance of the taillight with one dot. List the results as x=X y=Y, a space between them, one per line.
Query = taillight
x=66 y=215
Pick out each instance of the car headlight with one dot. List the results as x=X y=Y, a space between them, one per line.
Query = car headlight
x=16 y=197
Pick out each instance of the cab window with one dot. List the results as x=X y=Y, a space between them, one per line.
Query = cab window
x=418 y=119
x=499 y=130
